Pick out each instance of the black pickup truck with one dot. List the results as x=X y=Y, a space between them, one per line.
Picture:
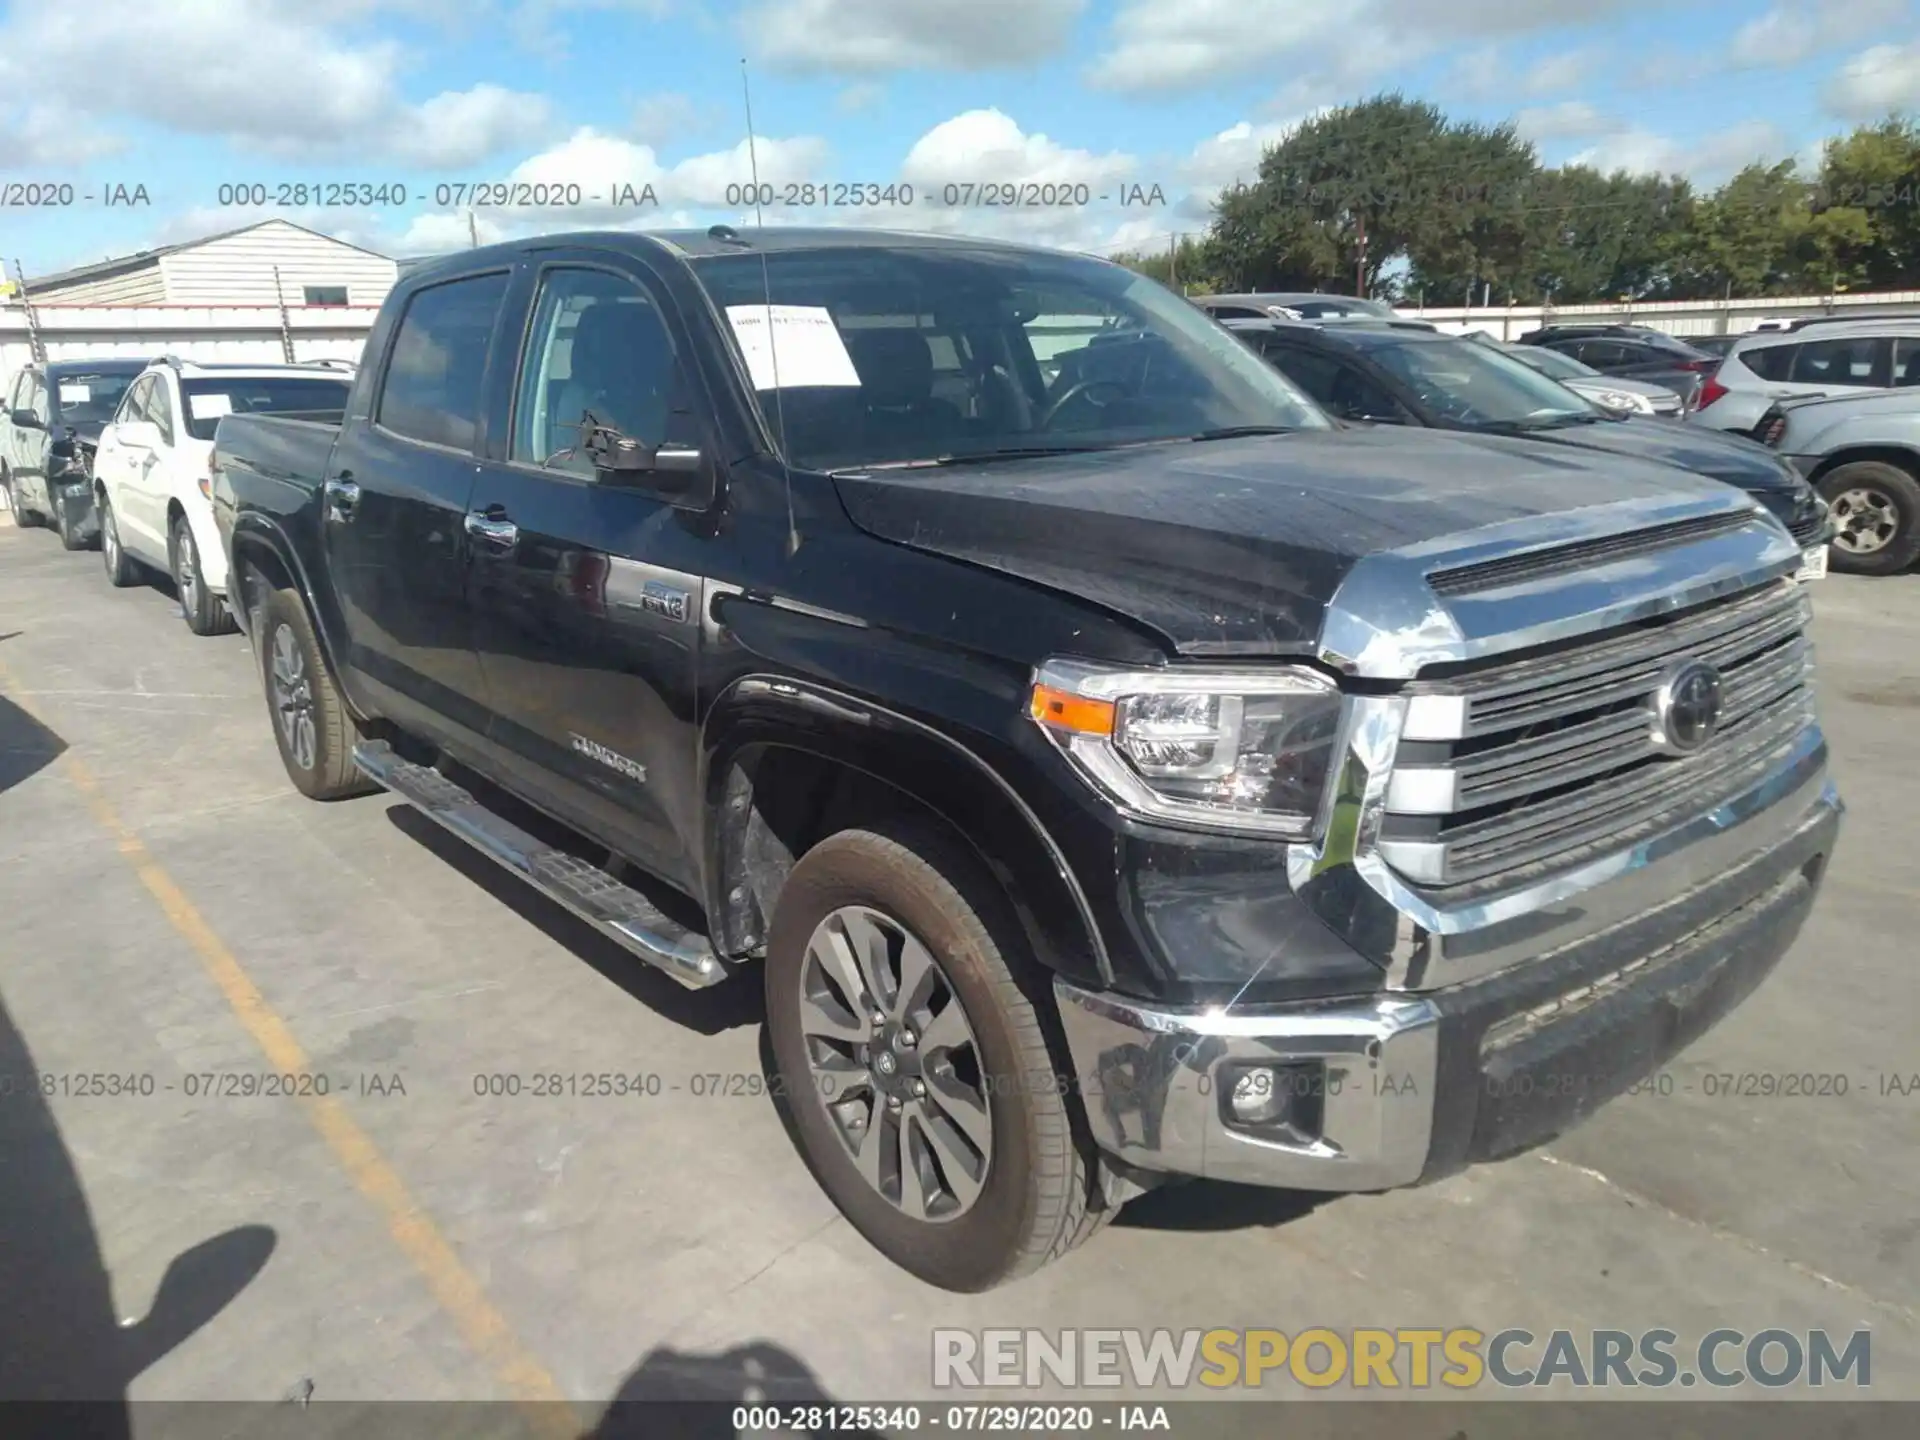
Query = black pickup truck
x=1116 y=770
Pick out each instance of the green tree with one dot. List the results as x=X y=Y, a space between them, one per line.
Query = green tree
x=1866 y=206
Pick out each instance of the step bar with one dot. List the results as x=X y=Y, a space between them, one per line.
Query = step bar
x=617 y=910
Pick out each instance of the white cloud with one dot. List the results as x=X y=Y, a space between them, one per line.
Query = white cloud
x=862 y=95
x=1570 y=119
x=463 y=127
x=659 y=118
x=1487 y=73
x=1886 y=77
x=875 y=37
x=1164 y=45
x=50 y=135
x=1790 y=32
x=269 y=75
x=1706 y=159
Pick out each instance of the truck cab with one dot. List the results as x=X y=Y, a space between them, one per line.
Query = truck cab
x=1113 y=771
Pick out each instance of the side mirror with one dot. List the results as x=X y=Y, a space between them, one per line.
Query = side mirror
x=668 y=469
x=25 y=419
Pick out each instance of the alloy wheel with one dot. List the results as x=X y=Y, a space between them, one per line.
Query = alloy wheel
x=293 y=697
x=185 y=578
x=1866 y=520
x=896 y=1063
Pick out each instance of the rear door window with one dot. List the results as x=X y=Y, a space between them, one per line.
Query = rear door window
x=1906 y=361
x=433 y=384
x=1864 y=360
x=1770 y=362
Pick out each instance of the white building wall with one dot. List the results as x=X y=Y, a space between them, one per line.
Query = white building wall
x=239 y=269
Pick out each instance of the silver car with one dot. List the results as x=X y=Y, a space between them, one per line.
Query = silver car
x=1811 y=358
x=1294 y=305
x=1862 y=453
x=1613 y=392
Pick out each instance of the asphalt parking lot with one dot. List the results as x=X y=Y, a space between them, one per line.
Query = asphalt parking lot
x=170 y=908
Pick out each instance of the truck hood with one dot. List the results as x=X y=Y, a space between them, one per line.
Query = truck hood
x=1733 y=459
x=1239 y=546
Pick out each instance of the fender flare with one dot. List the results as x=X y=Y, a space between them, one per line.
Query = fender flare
x=257 y=533
x=761 y=712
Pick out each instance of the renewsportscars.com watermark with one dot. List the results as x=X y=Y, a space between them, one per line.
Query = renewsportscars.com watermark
x=1399 y=1359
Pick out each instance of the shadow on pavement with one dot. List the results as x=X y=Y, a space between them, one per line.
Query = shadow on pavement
x=1200 y=1205
x=674 y=1396
x=60 y=1338
x=26 y=746
x=726 y=1006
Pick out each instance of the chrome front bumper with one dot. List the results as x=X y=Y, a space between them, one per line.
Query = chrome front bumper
x=1414 y=1085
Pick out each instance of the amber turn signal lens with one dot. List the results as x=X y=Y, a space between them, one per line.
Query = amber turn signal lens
x=1066 y=711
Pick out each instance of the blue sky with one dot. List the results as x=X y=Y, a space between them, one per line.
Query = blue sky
x=184 y=96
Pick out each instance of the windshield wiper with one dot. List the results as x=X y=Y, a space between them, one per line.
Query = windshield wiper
x=1527 y=427
x=1235 y=432
x=974 y=457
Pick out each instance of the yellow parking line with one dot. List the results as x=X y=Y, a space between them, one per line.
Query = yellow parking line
x=483 y=1327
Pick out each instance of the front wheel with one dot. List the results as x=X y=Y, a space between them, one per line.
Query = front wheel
x=204 y=611
x=918 y=1075
x=121 y=571
x=1876 y=516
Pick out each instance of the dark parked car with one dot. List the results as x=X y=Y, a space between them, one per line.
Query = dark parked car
x=49 y=429
x=1635 y=351
x=1374 y=376
x=1116 y=777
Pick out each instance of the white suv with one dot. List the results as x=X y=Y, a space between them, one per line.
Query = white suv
x=151 y=478
x=1807 y=358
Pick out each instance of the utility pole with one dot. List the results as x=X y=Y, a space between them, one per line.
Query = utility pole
x=1173 y=261
x=36 y=346
x=473 y=230
x=1360 y=266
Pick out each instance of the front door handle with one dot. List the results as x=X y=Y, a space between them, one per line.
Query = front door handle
x=342 y=495
x=492 y=529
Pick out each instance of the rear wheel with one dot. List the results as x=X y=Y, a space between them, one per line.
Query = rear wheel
x=310 y=721
x=204 y=611
x=1876 y=516
x=920 y=1080
x=69 y=539
x=25 y=519
x=120 y=570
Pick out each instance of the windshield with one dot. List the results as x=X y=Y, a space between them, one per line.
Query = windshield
x=1551 y=362
x=208 y=400
x=892 y=356
x=88 y=399
x=1477 y=385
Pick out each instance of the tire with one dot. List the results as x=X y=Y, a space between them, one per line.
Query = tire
x=204 y=611
x=121 y=571
x=1036 y=1195
x=294 y=674
x=25 y=519
x=68 y=540
x=1877 y=505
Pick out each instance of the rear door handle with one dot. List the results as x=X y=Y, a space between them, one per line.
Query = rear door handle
x=342 y=495
x=492 y=529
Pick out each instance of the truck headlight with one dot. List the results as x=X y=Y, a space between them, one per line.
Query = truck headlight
x=1243 y=750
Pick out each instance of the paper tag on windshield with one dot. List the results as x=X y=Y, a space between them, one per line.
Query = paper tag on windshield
x=72 y=394
x=802 y=338
x=209 y=407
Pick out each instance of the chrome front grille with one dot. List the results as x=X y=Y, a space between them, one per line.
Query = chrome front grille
x=1538 y=764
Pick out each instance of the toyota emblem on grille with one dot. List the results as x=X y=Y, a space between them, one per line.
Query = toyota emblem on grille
x=1686 y=707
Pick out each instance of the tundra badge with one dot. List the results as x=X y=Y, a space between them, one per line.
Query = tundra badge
x=612 y=759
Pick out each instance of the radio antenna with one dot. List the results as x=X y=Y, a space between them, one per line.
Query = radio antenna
x=766 y=298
